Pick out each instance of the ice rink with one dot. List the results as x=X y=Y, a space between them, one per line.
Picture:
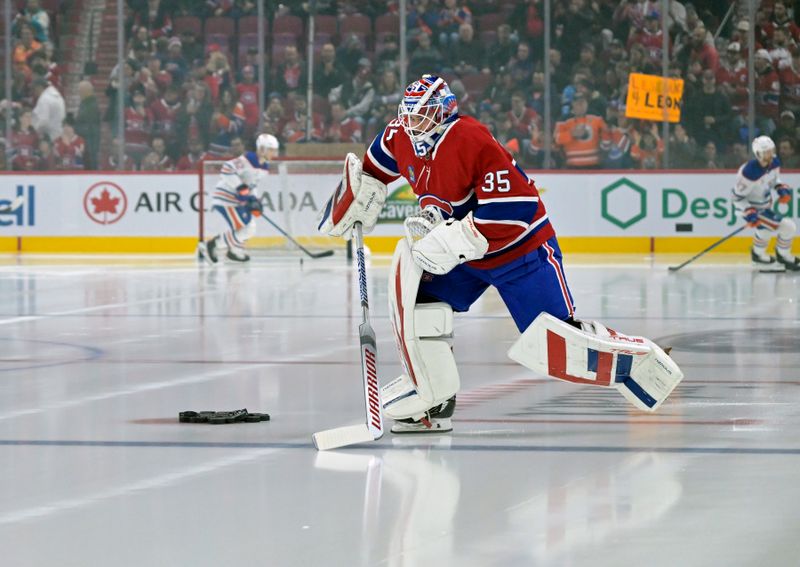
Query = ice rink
x=100 y=355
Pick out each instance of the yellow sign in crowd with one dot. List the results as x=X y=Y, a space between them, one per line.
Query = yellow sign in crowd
x=651 y=97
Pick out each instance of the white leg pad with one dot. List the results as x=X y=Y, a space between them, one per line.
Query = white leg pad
x=643 y=373
x=423 y=334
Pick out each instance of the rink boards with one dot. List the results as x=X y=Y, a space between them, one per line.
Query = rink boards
x=619 y=211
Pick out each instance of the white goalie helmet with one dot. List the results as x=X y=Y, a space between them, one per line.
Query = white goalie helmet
x=267 y=142
x=763 y=147
x=427 y=105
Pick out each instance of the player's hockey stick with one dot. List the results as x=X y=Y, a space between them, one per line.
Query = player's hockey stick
x=373 y=426
x=323 y=254
x=717 y=243
x=13 y=205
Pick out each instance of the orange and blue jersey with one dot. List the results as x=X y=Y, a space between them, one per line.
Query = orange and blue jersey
x=754 y=184
x=238 y=180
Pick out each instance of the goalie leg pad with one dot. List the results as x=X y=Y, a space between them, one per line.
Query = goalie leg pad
x=637 y=367
x=423 y=334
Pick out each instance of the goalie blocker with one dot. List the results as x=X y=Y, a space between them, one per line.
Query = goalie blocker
x=642 y=372
x=359 y=197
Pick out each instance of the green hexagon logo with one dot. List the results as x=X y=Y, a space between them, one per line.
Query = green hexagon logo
x=618 y=203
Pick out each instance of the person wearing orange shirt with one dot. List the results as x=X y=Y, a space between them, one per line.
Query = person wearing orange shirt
x=583 y=137
x=27 y=45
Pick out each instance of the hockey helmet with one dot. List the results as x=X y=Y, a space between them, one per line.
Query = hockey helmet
x=762 y=146
x=267 y=142
x=427 y=105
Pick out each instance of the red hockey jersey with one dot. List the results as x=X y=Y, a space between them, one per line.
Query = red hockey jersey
x=137 y=128
x=248 y=96
x=69 y=154
x=790 y=89
x=23 y=149
x=468 y=171
x=165 y=118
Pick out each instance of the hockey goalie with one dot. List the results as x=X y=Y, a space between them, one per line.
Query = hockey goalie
x=481 y=223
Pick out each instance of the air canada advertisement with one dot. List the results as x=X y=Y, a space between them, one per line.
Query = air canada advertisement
x=600 y=204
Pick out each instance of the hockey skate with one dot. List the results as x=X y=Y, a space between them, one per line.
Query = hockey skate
x=790 y=262
x=763 y=262
x=437 y=420
x=208 y=251
x=236 y=257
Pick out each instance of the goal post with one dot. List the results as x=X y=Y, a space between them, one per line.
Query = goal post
x=292 y=194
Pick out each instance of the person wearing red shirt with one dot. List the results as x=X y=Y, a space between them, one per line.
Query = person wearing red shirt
x=24 y=142
x=290 y=76
x=138 y=121
x=111 y=160
x=46 y=159
x=294 y=129
x=790 y=84
x=647 y=151
x=248 y=96
x=342 y=128
x=781 y=20
x=165 y=113
x=651 y=38
x=731 y=78
x=768 y=91
x=69 y=148
x=157 y=159
x=524 y=120
x=190 y=161
x=701 y=50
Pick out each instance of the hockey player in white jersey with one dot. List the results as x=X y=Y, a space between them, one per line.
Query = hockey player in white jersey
x=752 y=197
x=236 y=200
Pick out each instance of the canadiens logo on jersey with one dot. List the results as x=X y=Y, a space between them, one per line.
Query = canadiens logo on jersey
x=411 y=177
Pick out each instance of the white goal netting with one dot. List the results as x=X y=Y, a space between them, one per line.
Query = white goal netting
x=293 y=192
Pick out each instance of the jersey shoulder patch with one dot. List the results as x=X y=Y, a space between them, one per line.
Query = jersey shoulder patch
x=752 y=170
x=252 y=158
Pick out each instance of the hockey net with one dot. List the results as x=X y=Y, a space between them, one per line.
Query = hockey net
x=292 y=193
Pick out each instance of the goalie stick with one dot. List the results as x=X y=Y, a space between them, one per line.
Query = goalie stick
x=323 y=254
x=13 y=205
x=717 y=243
x=372 y=428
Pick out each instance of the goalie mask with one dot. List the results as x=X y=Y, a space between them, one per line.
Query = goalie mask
x=427 y=107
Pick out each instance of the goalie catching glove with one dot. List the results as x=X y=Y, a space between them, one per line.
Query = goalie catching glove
x=358 y=198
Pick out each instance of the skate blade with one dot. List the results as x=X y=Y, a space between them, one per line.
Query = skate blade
x=764 y=270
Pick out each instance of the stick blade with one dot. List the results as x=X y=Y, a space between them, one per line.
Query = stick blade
x=341 y=437
x=323 y=254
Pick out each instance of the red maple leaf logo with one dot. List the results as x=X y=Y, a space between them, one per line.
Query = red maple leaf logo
x=105 y=204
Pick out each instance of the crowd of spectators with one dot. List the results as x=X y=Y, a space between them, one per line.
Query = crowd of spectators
x=191 y=95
